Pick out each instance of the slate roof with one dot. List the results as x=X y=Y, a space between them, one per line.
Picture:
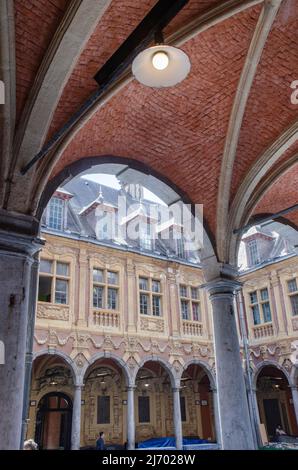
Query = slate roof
x=86 y=193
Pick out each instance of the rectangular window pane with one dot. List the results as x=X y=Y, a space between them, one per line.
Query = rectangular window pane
x=256 y=315
x=98 y=297
x=143 y=283
x=253 y=297
x=145 y=242
x=194 y=293
x=112 y=278
x=183 y=291
x=45 y=266
x=56 y=213
x=144 y=304
x=180 y=248
x=183 y=408
x=112 y=298
x=156 y=309
x=196 y=313
x=266 y=312
x=294 y=303
x=61 y=293
x=264 y=294
x=253 y=252
x=156 y=286
x=62 y=269
x=292 y=285
x=144 y=409
x=98 y=275
x=103 y=410
x=184 y=309
x=45 y=289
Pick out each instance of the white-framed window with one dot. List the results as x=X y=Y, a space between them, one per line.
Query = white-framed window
x=55 y=213
x=190 y=303
x=254 y=256
x=145 y=236
x=150 y=296
x=180 y=248
x=293 y=295
x=260 y=306
x=53 y=282
x=105 y=289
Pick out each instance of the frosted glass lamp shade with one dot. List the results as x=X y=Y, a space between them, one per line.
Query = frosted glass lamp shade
x=161 y=66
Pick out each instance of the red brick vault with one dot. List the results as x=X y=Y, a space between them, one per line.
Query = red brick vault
x=226 y=136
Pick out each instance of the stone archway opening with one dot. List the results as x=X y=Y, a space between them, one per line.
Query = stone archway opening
x=275 y=402
x=153 y=403
x=104 y=405
x=51 y=403
x=197 y=407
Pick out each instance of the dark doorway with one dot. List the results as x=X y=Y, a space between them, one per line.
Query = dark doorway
x=53 y=422
x=272 y=414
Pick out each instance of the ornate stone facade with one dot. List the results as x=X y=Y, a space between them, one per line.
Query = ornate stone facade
x=125 y=341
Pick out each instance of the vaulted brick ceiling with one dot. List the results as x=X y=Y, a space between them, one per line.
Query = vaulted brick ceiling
x=179 y=132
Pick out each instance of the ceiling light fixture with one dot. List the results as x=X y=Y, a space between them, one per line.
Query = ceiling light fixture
x=161 y=66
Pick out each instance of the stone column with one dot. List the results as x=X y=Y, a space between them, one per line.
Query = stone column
x=295 y=401
x=130 y=418
x=29 y=345
x=18 y=246
x=83 y=289
x=174 y=315
x=216 y=417
x=131 y=298
x=76 y=418
x=177 y=418
x=235 y=424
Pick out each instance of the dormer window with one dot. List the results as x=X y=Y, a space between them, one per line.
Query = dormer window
x=55 y=216
x=145 y=236
x=180 y=248
x=253 y=252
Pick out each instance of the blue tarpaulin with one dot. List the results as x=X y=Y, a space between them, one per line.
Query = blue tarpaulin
x=159 y=442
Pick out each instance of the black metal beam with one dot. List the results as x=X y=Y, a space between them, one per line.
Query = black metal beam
x=159 y=17
x=144 y=34
x=266 y=219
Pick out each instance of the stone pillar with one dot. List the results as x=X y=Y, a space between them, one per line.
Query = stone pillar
x=131 y=297
x=295 y=401
x=18 y=246
x=216 y=417
x=29 y=345
x=76 y=418
x=130 y=418
x=174 y=316
x=235 y=424
x=83 y=305
x=177 y=418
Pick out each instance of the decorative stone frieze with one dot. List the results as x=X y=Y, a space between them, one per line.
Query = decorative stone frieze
x=52 y=312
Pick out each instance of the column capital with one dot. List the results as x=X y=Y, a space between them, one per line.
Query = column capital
x=222 y=287
x=176 y=389
x=131 y=388
x=78 y=385
x=19 y=234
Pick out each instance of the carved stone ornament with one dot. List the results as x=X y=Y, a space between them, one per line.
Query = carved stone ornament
x=152 y=324
x=53 y=312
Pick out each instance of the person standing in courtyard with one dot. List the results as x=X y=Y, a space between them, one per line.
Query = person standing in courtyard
x=100 y=443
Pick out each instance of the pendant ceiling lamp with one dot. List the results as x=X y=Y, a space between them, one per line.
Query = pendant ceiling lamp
x=161 y=66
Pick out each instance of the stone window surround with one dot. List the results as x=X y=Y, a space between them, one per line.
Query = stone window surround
x=105 y=286
x=290 y=294
x=151 y=293
x=259 y=303
x=191 y=300
x=55 y=276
